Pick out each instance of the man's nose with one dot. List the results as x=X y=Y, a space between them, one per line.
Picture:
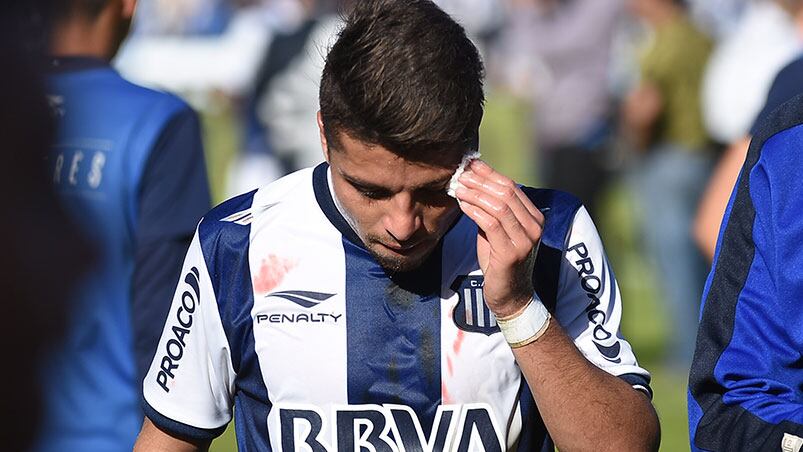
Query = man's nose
x=403 y=219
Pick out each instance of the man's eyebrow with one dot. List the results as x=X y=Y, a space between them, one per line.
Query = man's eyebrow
x=435 y=184
x=361 y=183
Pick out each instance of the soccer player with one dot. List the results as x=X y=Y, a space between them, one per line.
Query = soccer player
x=746 y=378
x=357 y=306
x=129 y=168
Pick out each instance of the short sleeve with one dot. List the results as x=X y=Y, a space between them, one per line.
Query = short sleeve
x=173 y=195
x=589 y=304
x=189 y=388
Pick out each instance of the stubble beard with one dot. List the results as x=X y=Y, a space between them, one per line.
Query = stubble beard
x=396 y=264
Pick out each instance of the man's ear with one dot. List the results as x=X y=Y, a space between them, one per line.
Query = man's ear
x=324 y=145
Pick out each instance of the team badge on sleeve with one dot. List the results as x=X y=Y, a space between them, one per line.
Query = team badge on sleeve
x=471 y=313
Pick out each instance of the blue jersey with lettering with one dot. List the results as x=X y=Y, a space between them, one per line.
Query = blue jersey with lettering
x=282 y=312
x=128 y=167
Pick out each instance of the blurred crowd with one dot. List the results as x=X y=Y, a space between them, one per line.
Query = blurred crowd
x=582 y=95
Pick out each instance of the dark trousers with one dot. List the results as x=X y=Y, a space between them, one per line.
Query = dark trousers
x=577 y=170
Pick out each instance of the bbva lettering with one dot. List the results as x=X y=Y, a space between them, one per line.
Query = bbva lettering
x=390 y=428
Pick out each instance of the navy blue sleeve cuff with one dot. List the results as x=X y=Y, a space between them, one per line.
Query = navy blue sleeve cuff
x=178 y=429
x=638 y=380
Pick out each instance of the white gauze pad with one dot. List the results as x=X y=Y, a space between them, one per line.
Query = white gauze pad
x=454 y=183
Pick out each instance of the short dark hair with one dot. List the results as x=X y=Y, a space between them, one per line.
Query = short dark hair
x=87 y=8
x=403 y=75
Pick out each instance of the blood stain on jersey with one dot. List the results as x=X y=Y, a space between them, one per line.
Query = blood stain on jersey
x=447 y=399
x=458 y=342
x=271 y=273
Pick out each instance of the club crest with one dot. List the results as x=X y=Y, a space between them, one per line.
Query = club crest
x=471 y=313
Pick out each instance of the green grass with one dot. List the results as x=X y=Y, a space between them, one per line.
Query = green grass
x=226 y=442
x=644 y=321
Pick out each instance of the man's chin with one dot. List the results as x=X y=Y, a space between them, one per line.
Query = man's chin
x=396 y=263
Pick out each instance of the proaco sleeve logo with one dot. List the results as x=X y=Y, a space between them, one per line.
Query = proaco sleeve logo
x=594 y=287
x=182 y=322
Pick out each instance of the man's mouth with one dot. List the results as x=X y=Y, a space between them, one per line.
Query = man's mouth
x=402 y=248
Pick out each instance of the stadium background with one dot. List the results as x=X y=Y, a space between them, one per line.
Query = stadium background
x=249 y=68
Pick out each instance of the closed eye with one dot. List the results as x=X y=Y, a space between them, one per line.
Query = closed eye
x=371 y=192
x=374 y=194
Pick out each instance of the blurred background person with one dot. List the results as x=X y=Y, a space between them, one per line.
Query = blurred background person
x=743 y=65
x=285 y=99
x=737 y=85
x=662 y=119
x=128 y=166
x=256 y=70
x=744 y=384
x=44 y=254
x=717 y=17
x=564 y=46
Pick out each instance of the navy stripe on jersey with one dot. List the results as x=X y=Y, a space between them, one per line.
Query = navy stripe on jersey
x=225 y=247
x=534 y=435
x=179 y=429
x=559 y=209
x=393 y=334
x=393 y=323
x=721 y=426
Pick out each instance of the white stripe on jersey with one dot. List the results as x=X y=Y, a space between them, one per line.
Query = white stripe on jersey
x=300 y=361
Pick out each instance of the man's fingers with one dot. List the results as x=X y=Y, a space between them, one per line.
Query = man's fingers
x=499 y=223
x=508 y=198
x=483 y=170
x=490 y=227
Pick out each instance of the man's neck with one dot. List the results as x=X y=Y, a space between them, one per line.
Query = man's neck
x=84 y=37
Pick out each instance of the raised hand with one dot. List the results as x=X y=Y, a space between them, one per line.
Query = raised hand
x=510 y=228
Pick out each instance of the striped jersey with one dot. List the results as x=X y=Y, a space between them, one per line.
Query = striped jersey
x=283 y=313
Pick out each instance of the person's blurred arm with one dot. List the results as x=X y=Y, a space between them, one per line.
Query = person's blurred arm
x=715 y=199
x=786 y=85
x=640 y=113
x=174 y=194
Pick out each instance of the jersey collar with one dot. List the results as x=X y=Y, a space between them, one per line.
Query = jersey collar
x=320 y=185
x=75 y=63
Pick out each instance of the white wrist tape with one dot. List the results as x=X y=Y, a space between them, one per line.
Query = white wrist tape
x=526 y=326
